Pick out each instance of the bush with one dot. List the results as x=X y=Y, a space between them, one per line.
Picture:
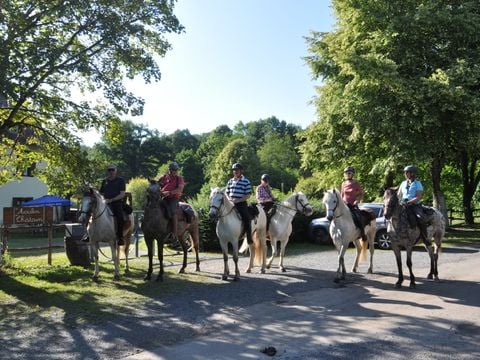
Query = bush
x=208 y=237
x=138 y=187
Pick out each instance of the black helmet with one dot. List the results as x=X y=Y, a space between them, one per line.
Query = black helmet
x=410 y=168
x=266 y=177
x=349 y=169
x=173 y=166
x=237 y=166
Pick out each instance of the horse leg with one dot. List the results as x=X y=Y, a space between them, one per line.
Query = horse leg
x=432 y=261
x=341 y=265
x=115 y=251
x=358 y=248
x=194 y=237
x=97 y=267
x=235 y=259
x=226 y=270
x=183 y=244
x=149 y=242
x=273 y=244
x=283 y=245
x=252 y=257
x=372 y=250
x=398 y=258
x=409 y=264
x=160 y=260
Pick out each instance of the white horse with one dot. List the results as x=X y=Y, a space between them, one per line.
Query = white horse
x=230 y=229
x=281 y=224
x=102 y=228
x=343 y=231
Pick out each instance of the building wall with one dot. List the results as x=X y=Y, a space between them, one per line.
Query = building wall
x=25 y=187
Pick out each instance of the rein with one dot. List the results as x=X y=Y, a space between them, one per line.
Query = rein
x=295 y=208
x=218 y=208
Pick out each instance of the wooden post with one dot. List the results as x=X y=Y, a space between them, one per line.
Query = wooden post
x=50 y=237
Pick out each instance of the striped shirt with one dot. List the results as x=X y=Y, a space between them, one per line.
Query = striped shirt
x=238 y=188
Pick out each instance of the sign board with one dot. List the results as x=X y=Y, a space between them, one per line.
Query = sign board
x=31 y=215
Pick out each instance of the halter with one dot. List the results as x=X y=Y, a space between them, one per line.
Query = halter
x=295 y=209
x=93 y=205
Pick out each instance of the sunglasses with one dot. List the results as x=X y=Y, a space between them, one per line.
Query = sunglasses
x=112 y=169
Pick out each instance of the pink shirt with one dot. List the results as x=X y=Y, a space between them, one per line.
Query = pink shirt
x=351 y=189
x=171 y=182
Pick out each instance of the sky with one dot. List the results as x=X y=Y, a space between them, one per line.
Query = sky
x=238 y=60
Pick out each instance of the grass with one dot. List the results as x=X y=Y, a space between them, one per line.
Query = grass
x=31 y=289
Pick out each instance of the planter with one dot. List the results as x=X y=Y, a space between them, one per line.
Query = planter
x=78 y=252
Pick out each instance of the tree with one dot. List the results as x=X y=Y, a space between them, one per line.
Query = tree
x=395 y=90
x=50 y=48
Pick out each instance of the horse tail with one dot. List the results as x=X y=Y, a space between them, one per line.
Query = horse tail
x=257 y=245
x=244 y=246
x=363 y=250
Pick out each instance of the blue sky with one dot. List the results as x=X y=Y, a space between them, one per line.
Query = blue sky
x=238 y=60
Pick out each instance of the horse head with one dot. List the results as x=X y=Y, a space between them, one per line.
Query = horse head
x=302 y=205
x=331 y=200
x=153 y=193
x=216 y=201
x=390 y=202
x=88 y=204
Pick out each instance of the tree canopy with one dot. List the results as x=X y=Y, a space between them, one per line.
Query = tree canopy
x=51 y=48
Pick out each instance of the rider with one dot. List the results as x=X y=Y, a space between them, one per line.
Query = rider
x=410 y=194
x=238 y=191
x=352 y=194
x=113 y=191
x=171 y=188
x=265 y=197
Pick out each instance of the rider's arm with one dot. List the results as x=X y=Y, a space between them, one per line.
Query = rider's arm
x=116 y=198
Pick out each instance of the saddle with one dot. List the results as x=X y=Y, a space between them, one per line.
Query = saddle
x=186 y=211
x=253 y=211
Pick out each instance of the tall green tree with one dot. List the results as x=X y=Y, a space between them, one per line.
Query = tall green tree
x=395 y=90
x=50 y=48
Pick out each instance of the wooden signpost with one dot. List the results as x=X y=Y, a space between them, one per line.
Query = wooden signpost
x=28 y=217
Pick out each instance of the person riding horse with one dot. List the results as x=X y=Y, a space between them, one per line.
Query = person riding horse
x=265 y=197
x=410 y=194
x=171 y=188
x=113 y=191
x=352 y=194
x=238 y=191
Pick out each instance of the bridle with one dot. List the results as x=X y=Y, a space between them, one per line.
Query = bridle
x=219 y=207
x=295 y=209
x=93 y=204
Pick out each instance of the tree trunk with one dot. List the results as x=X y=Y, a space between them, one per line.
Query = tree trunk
x=470 y=182
x=438 y=197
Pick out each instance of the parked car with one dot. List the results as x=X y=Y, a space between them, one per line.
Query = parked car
x=318 y=228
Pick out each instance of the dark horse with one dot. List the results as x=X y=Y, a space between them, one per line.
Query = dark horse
x=155 y=226
x=403 y=235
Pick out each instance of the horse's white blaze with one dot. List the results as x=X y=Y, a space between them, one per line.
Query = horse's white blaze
x=344 y=231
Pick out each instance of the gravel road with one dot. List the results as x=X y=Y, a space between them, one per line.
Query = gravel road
x=211 y=311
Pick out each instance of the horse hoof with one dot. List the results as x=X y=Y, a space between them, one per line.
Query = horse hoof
x=236 y=278
x=429 y=276
x=248 y=271
x=268 y=266
x=147 y=278
x=398 y=286
x=224 y=277
x=197 y=269
x=412 y=286
x=95 y=278
x=159 y=279
x=436 y=279
x=284 y=270
x=116 y=277
x=369 y=271
x=262 y=271
x=181 y=271
x=336 y=280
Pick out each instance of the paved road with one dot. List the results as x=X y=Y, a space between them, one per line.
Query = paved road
x=301 y=313
x=366 y=317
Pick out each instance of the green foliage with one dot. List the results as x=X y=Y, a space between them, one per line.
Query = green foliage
x=138 y=187
x=208 y=236
x=53 y=54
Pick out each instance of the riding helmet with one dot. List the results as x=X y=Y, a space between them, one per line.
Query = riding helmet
x=237 y=166
x=173 y=166
x=349 y=169
x=266 y=177
x=410 y=168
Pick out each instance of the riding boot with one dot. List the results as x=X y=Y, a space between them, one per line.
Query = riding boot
x=85 y=238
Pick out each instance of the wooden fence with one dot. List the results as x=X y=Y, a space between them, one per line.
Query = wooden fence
x=458 y=215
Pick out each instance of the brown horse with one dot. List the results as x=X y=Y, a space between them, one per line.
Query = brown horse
x=155 y=226
x=402 y=235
